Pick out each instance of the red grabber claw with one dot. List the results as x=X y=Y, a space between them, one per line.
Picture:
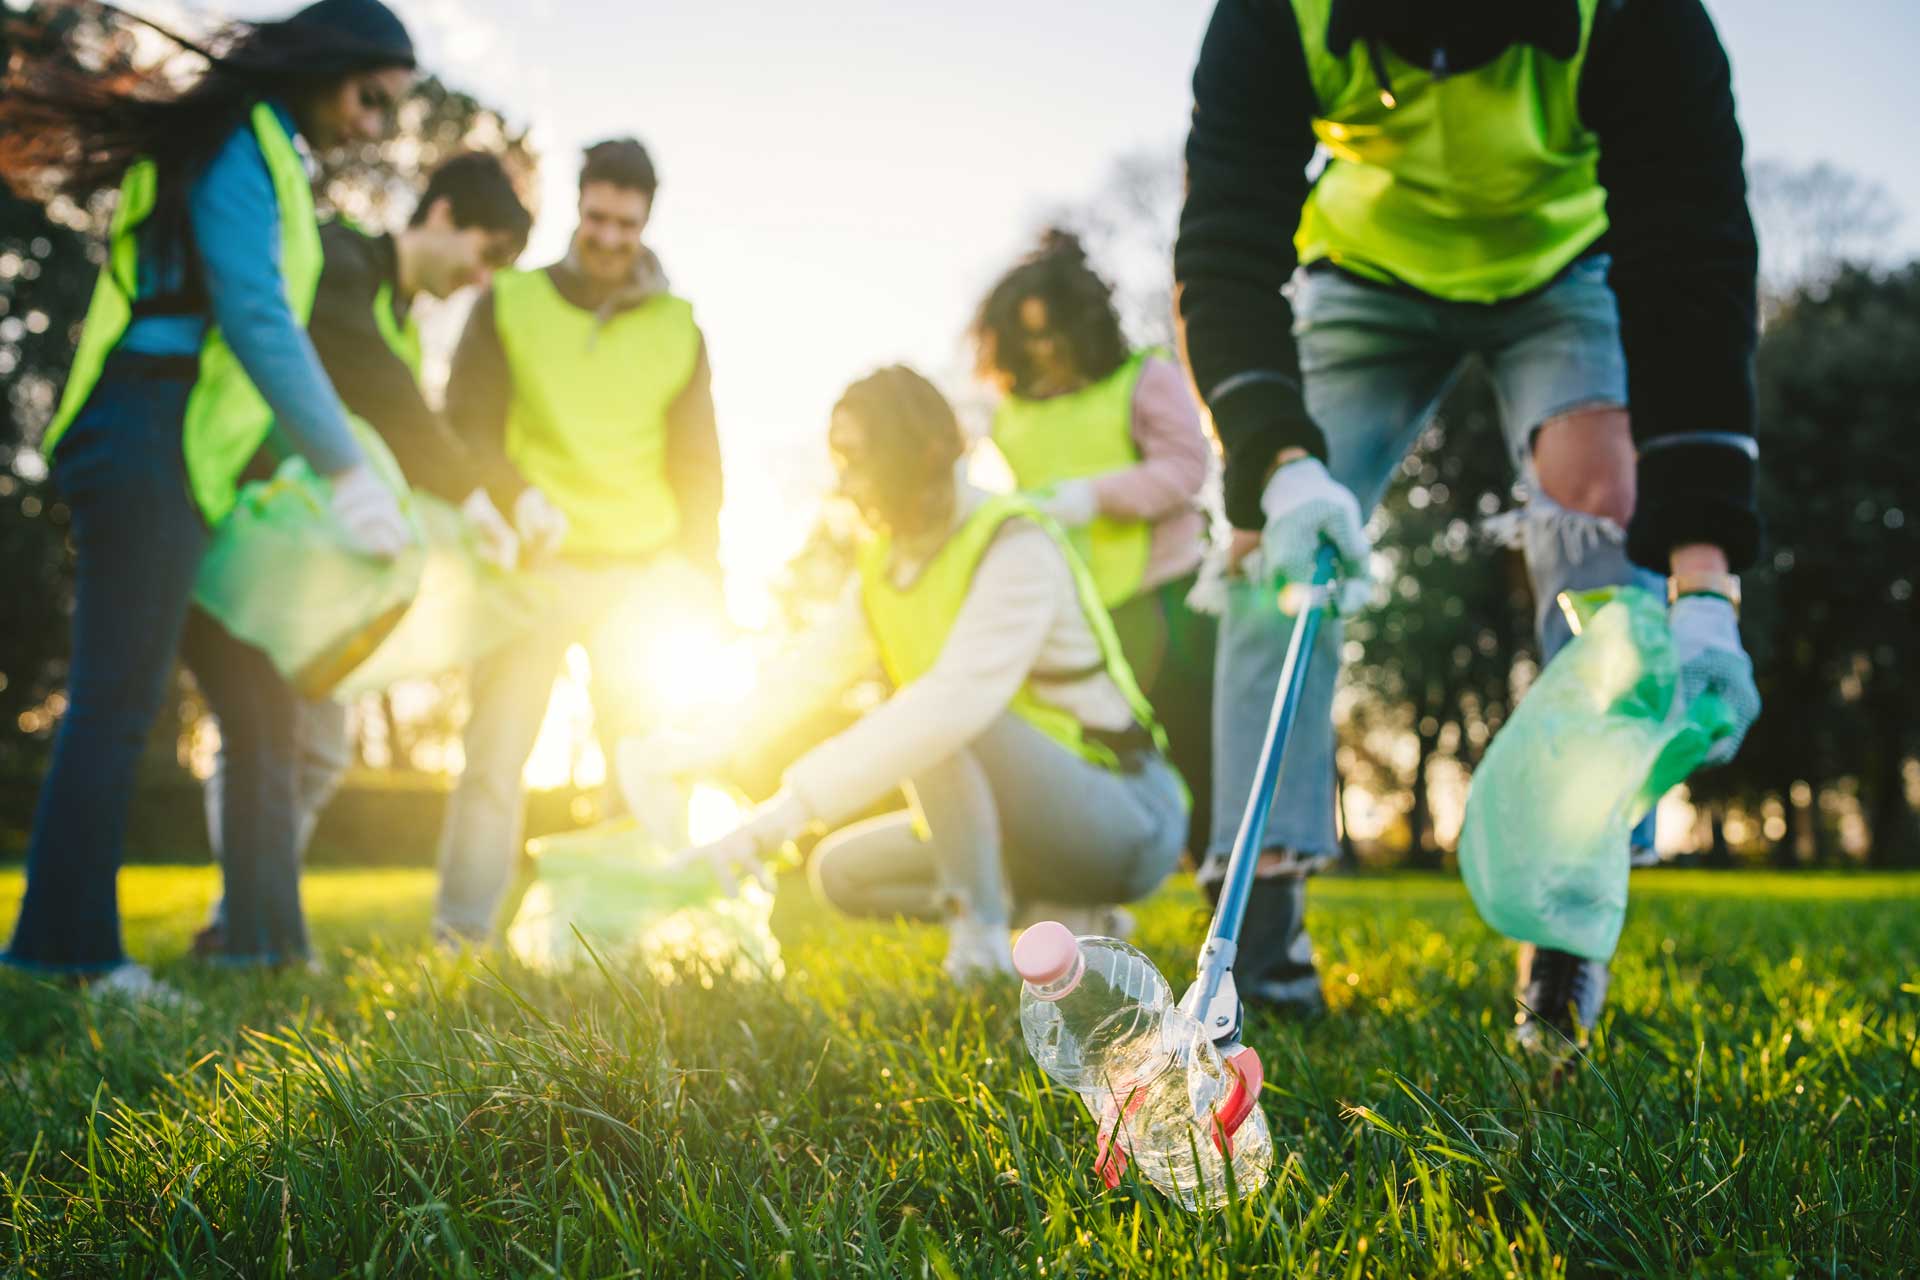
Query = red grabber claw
x=1110 y=1157
x=1249 y=1075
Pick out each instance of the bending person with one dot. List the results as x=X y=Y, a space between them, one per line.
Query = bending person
x=1502 y=188
x=194 y=352
x=469 y=221
x=1108 y=442
x=1030 y=755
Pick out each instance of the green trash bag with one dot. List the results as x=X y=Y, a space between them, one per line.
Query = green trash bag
x=610 y=883
x=282 y=575
x=1598 y=739
x=465 y=607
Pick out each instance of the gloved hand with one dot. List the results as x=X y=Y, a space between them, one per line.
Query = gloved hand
x=1071 y=502
x=541 y=525
x=1303 y=506
x=499 y=544
x=368 y=511
x=1706 y=642
x=734 y=858
x=742 y=853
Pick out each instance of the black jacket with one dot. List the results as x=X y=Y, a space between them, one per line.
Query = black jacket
x=482 y=386
x=372 y=380
x=1655 y=88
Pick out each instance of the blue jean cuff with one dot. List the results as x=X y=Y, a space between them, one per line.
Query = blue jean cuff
x=44 y=969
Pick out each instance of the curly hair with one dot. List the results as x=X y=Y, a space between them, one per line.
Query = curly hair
x=1080 y=313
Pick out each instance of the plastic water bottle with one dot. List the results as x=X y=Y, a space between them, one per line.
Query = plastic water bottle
x=1099 y=1019
x=1090 y=1008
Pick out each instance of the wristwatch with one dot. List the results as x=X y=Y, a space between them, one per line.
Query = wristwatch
x=1701 y=583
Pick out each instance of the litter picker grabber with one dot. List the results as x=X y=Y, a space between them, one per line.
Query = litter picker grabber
x=1212 y=999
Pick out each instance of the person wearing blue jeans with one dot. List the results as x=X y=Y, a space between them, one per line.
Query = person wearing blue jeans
x=1553 y=191
x=192 y=353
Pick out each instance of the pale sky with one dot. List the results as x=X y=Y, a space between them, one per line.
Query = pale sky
x=840 y=181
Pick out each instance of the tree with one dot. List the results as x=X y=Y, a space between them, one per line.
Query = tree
x=1834 y=624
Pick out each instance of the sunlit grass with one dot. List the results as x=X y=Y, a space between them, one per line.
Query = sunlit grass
x=1751 y=1109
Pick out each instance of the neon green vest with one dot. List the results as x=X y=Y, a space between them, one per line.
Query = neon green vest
x=1476 y=187
x=403 y=339
x=911 y=623
x=1084 y=433
x=227 y=419
x=588 y=420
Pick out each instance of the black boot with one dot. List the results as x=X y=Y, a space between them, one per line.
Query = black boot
x=1560 y=996
x=1273 y=968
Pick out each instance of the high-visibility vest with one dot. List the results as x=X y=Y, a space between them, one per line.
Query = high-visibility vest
x=910 y=624
x=587 y=422
x=1473 y=187
x=227 y=419
x=1075 y=436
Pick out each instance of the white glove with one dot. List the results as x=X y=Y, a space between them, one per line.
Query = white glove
x=1071 y=503
x=1304 y=506
x=541 y=525
x=734 y=858
x=1706 y=643
x=499 y=544
x=370 y=514
x=742 y=853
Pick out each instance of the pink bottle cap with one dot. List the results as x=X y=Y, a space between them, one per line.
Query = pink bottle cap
x=1047 y=952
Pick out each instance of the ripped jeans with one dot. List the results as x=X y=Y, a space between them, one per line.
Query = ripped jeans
x=1375 y=364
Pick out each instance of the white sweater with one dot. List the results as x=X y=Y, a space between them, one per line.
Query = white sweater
x=1021 y=614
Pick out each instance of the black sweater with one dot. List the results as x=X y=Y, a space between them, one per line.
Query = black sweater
x=372 y=380
x=481 y=387
x=1656 y=90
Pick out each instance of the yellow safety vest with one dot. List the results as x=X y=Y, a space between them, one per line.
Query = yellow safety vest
x=587 y=423
x=1473 y=187
x=911 y=623
x=227 y=419
x=1084 y=433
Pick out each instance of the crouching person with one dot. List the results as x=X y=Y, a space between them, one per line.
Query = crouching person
x=1034 y=768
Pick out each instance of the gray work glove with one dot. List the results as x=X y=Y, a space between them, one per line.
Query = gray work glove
x=367 y=509
x=1706 y=643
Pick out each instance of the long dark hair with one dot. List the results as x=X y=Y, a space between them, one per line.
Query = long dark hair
x=68 y=128
x=1080 y=312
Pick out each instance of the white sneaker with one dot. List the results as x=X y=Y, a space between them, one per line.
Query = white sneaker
x=976 y=951
x=132 y=983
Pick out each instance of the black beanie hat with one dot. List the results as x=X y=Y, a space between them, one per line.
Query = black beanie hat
x=363 y=32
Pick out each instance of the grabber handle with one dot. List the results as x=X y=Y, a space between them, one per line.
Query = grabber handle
x=1223 y=936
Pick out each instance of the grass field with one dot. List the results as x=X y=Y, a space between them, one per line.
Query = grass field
x=1753 y=1108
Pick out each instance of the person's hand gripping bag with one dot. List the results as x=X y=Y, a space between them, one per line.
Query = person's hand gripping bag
x=281 y=573
x=1598 y=739
x=465 y=607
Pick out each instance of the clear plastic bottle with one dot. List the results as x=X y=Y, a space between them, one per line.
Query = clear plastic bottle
x=1089 y=1007
x=1099 y=1019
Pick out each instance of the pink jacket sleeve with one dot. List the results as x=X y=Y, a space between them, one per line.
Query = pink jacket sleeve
x=1173 y=450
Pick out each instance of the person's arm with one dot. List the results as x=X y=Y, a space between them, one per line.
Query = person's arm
x=988 y=655
x=373 y=381
x=479 y=388
x=693 y=467
x=235 y=218
x=1173 y=451
x=1684 y=266
x=1247 y=156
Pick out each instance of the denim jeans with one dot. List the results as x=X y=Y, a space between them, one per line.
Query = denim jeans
x=614 y=609
x=321 y=754
x=1375 y=363
x=1014 y=817
x=138 y=541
